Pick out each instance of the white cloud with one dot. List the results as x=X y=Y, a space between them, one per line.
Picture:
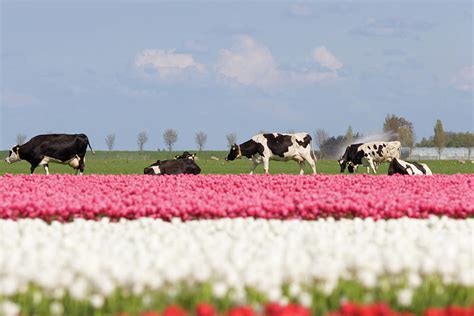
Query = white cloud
x=249 y=63
x=313 y=76
x=326 y=59
x=464 y=79
x=301 y=10
x=167 y=63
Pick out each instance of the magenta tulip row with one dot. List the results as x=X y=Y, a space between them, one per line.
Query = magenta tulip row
x=65 y=197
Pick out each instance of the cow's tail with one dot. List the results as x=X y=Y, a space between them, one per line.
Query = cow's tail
x=89 y=144
x=313 y=152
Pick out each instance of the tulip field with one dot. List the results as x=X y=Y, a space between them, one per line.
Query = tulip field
x=236 y=245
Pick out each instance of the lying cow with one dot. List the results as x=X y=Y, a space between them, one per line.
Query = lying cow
x=52 y=148
x=369 y=154
x=398 y=166
x=186 y=155
x=282 y=147
x=183 y=165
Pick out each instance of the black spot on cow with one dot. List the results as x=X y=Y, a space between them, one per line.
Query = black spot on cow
x=366 y=155
x=373 y=153
x=305 y=142
x=380 y=150
x=420 y=167
x=278 y=144
x=247 y=149
x=375 y=146
x=395 y=167
x=384 y=145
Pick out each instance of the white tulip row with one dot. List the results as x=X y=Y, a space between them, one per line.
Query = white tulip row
x=95 y=257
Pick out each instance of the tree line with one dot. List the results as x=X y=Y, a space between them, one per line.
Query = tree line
x=394 y=128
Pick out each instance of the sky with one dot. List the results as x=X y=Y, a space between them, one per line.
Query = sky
x=122 y=67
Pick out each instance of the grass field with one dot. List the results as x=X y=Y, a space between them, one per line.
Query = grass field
x=132 y=162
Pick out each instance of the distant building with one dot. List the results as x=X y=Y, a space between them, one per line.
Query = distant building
x=431 y=153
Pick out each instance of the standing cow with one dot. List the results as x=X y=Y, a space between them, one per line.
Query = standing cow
x=369 y=154
x=262 y=148
x=398 y=166
x=52 y=148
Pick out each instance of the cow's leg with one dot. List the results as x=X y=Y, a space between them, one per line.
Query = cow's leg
x=371 y=164
x=32 y=169
x=266 y=163
x=46 y=168
x=301 y=163
x=82 y=165
x=311 y=162
x=254 y=164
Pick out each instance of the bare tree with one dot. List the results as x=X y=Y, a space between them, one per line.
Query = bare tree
x=321 y=137
x=231 y=139
x=110 y=141
x=349 y=135
x=142 y=138
x=439 y=137
x=20 y=139
x=170 y=136
x=201 y=139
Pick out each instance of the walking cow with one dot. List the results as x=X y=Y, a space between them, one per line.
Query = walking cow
x=369 y=154
x=262 y=148
x=52 y=148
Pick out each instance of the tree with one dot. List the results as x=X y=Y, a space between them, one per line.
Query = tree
x=142 y=138
x=20 y=139
x=406 y=137
x=332 y=146
x=439 y=137
x=349 y=135
x=110 y=141
x=201 y=139
x=393 y=124
x=321 y=137
x=231 y=139
x=170 y=136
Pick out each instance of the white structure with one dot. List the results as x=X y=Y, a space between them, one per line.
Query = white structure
x=431 y=153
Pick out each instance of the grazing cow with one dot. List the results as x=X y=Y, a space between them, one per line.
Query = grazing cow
x=369 y=154
x=398 y=166
x=52 y=148
x=186 y=155
x=262 y=148
x=175 y=166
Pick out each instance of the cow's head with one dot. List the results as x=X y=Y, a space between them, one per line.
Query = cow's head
x=13 y=155
x=342 y=163
x=153 y=169
x=234 y=153
x=186 y=155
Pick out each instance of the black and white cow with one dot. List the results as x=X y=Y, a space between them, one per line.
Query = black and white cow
x=262 y=148
x=369 y=155
x=186 y=155
x=185 y=165
x=398 y=166
x=52 y=148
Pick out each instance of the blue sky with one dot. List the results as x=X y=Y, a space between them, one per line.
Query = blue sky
x=102 y=67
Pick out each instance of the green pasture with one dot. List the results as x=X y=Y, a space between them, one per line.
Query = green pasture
x=133 y=162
